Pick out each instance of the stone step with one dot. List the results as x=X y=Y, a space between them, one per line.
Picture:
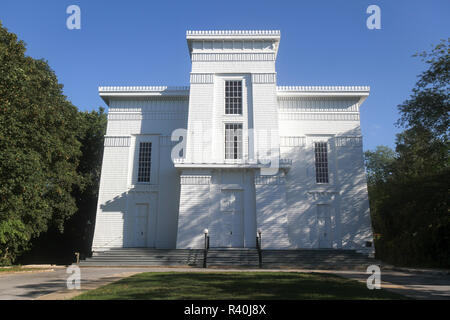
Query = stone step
x=145 y=257
x=235 y=258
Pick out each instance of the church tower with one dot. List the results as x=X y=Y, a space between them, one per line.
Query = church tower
x=231 y=174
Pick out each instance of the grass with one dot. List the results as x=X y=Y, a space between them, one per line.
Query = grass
x=235 y=285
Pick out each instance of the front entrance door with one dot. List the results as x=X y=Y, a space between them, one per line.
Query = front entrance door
x=231 y=231
x=324 y=225
x=141 y=225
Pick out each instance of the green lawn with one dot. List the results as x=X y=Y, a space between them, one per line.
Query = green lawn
x=235 y=285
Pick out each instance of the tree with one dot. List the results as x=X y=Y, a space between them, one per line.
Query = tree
x=429 y=105
x=423 y=147
x=379 y=164
x=39 y=149
x=409 y=193
x=59 y=248
x=80 y=227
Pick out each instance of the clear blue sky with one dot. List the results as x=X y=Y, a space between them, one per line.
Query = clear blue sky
x=322 y=43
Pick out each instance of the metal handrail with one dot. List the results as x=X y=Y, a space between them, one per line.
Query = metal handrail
x=258 y=247
x=205 y=249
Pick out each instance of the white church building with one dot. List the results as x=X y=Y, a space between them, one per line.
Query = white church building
x=233 y=154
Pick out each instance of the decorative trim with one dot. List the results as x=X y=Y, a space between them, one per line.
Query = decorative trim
x=148 y=116
x=233 y=33
x=141 y=88
x=269 y=180
x=212 y=57
x=195 y=180
x=119 y=141
x=348 y=141
x=321 y=195
x=202 y=78
x=143 y=188
x=319 y=116
x=286 y=141
x=157 y=108
x=264 y=77
x=323 y=88
x=318 y=104
x=166 y=141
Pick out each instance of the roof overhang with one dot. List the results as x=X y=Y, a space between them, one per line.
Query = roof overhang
x=224 y=35
x=107 y=93
x=361 y=92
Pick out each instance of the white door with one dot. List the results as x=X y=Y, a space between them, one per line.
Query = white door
x=238 y=221
x=226 y=234
x=141 y=225
x=231 y=231
x=324 y=225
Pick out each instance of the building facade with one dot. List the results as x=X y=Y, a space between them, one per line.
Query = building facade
x=235 y=154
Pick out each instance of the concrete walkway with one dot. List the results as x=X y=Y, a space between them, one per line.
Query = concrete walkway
x=51 y=285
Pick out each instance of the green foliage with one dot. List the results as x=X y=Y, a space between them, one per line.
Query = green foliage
x=53 y=246
x=409 y=189
x=39 y=149
x=429 y=105
x=80 y=228
x=379 y=164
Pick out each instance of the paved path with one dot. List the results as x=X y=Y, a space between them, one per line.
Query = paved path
x=28 y=286
x=52 y=285
x=413 y=284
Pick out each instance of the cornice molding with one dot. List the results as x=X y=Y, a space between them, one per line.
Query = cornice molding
x=292 y=141
x=348 y=141
x=323 y=89
x=195 y=180
x=148 y=116
x=202 y=78
x=213 y=57
x=319 y=116
x=108 y=92
x=269 y=180
x=233 y=33
x=117 y=141
x=141 y=88
x=264 y=78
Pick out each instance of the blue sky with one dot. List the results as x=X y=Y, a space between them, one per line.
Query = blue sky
x=138 y=42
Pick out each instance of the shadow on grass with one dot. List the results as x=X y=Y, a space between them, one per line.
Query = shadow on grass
x=236 y=286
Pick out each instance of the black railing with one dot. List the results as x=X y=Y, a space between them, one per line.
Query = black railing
x=205 y=250
x=258 y=247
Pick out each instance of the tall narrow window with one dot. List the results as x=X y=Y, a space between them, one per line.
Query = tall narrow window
x=233 y=141
x=145 y=155
x=321 y=155
x=233 y=97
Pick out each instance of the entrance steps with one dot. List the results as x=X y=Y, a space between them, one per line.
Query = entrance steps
x=325 y=259
x=232 y=258
x=145 y=257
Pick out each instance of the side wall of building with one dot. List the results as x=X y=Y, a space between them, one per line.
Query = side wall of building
x=341 y=204
x=122 y=200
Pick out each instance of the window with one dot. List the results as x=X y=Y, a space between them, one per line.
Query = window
x=233 y=141
x=233 y=97
x=321 y=155
x=144 y=164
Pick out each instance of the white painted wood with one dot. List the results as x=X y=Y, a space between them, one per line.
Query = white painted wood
x=141 y=225
x=184 y=196
x=324 y=225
